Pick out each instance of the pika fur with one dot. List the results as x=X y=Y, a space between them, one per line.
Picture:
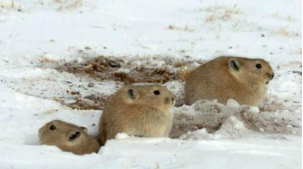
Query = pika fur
x=144 y=111
x=68 y=137
x=223 y=78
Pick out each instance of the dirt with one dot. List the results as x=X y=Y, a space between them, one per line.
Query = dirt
x=91 y=102
x=103 y=68
x=127 y=72
x=212 y=116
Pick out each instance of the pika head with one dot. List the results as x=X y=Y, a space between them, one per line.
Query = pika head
x=154 y=96
x=251 y=70
x=68 y=137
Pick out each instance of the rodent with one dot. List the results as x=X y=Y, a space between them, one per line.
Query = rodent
x=223 y=78
x=68 y=137
x=143 y=111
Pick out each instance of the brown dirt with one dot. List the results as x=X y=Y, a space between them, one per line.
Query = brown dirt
x=109 y=68
x=92 y=102
x=103 y=68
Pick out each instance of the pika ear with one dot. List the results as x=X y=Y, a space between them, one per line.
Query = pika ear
x=132 y=94
x=234 y=64
x=84 y=129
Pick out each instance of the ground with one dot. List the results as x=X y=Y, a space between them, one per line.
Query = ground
x=48 y=52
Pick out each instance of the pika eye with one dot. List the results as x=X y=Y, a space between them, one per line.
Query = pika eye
x=52 y=127
x=259 y=66
x=156 y=92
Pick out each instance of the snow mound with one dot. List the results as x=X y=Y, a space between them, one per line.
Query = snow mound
x=233 y=120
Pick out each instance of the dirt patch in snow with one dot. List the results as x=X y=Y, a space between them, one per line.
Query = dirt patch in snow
x=105 y=68
x=212 y=116
x=127 y=71
x=91 y=102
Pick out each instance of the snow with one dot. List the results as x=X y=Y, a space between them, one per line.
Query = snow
x=232 y=103
x=35 y=32
x=159 y=153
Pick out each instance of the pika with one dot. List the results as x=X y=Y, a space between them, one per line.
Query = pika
x=68 y=137
x=223 y=78
x=143 y=111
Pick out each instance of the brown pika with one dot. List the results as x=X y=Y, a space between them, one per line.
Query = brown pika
x=143 y=111
x=68 y=137
x=223 y=78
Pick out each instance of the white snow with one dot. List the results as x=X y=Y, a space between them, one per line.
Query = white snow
x=147 y=32
x=232 y=103
x=254 y=109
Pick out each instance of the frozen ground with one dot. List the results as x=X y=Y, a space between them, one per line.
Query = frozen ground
x=33 y=32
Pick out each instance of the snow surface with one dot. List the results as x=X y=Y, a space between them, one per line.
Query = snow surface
x=55 y=30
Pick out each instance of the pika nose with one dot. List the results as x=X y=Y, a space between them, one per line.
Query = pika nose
x=270 y=75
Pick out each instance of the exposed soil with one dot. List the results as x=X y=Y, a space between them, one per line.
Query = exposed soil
x=127 y=71
x=103 y=68
x=92 y=102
